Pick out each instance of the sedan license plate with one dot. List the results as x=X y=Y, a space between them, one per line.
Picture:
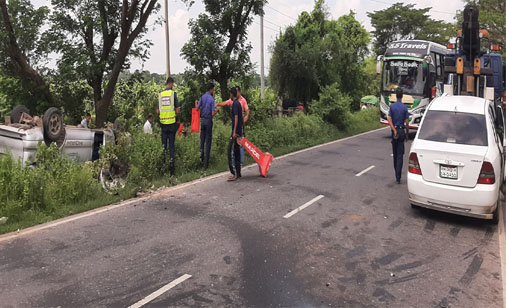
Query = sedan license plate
x=448 y=172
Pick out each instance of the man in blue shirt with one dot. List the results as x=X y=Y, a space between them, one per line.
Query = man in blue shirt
x=207 y=112
x=398 y=118
x=234 y=151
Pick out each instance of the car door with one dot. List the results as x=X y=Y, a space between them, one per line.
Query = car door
x=499 y=130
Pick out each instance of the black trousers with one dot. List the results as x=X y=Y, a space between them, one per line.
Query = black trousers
x=206 y=139
x=398 y=151
x=169 y=134
x=234 y=157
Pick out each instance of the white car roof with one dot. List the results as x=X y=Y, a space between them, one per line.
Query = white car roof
x=466 y=104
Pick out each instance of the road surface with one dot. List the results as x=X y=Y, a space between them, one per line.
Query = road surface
x=328 y=227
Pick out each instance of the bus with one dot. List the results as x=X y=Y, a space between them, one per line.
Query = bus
x=416 y=66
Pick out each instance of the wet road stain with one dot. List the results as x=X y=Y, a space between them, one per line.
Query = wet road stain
x=470 y=253
x=472 y=270
x=329 y=223
x=385 y=260
x=454 y=231
x=383 y=295
x=355 y=252
x=368 y=201
x=407 y=266
x=429 y=225
x=489 y=233
x=395 y=224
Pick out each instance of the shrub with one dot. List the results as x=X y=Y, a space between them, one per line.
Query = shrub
x=333 y=106
x=56 y=181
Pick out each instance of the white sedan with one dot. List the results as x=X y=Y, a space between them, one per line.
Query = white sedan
x=456 y=161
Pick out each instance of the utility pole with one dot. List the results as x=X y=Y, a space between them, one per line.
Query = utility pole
x=167 y=46
x=262 y=78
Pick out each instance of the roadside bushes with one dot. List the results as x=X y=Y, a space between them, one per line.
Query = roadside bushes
x=333 y=106
x=55 y=181
x=300 y=129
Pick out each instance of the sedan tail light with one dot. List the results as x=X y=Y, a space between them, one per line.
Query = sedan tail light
x=487 y=175
x=414 y=165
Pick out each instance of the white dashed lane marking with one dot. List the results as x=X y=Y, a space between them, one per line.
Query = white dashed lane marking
x=365 y=171
x=160 y=291
x=305 y=205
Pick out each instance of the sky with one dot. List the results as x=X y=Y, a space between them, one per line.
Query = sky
x=278 y=15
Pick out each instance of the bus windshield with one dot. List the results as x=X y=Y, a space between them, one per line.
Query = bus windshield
x=406 y=74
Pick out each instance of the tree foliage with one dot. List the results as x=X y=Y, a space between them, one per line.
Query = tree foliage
x=318 y=52
x=218 y=48
x=97 y=39
x=406 y=22
x=21 y=49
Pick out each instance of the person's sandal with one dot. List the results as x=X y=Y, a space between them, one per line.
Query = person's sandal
x=232 y=178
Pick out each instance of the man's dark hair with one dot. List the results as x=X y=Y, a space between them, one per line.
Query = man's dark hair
x=150 y=116
x=238 y=88
x=233 y=91
x=88 y=114
x=170 y=80
x=399 y=93
x=210 y=86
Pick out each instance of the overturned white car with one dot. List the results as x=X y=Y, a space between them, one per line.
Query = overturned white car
x=20 y=134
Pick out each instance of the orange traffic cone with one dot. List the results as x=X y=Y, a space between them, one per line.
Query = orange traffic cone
x=263 y=160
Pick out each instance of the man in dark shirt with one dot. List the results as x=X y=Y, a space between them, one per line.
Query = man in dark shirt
x=398 y=119
x=207 y=112
x=234 y=151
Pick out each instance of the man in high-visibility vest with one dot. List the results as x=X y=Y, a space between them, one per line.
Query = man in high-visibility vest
x=168 y=108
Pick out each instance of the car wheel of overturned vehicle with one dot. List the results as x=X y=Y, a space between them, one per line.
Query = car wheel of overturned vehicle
x=54 y=128
x=16 y=113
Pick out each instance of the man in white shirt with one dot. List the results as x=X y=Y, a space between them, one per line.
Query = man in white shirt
x=148 y=127
x=86 y=121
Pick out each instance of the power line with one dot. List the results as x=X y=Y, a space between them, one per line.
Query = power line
x=436 y=11
x=266 y=27
x=272 y=23
x=280 y=12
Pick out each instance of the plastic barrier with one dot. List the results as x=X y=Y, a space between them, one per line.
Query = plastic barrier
x=263 y=160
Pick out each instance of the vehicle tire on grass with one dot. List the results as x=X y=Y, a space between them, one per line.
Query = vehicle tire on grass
x=16 y=113
x=54 y=128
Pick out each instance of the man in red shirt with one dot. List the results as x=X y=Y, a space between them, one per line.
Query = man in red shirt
x=245 y=109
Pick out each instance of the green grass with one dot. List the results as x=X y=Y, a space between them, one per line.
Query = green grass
x=310 y=135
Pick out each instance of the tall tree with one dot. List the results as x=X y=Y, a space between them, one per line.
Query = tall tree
x=218 y=48
x=20 y=47
x=97 y=39
x=318 y=52
x=406 y=22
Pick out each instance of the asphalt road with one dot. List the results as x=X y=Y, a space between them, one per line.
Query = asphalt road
x=360 y=245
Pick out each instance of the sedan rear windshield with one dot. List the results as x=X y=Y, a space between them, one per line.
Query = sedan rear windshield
x=454 y=127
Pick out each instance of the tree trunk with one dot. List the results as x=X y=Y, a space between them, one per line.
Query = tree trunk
x=24 y=69
x=225 y=91
x=127 y=38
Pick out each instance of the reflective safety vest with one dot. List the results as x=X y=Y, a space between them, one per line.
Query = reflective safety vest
x=167 y=107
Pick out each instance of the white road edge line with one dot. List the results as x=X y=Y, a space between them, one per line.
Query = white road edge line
x=64 y=220
x=502 y=251
x=366 y=170
x=160 y=291
x=305 y=205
